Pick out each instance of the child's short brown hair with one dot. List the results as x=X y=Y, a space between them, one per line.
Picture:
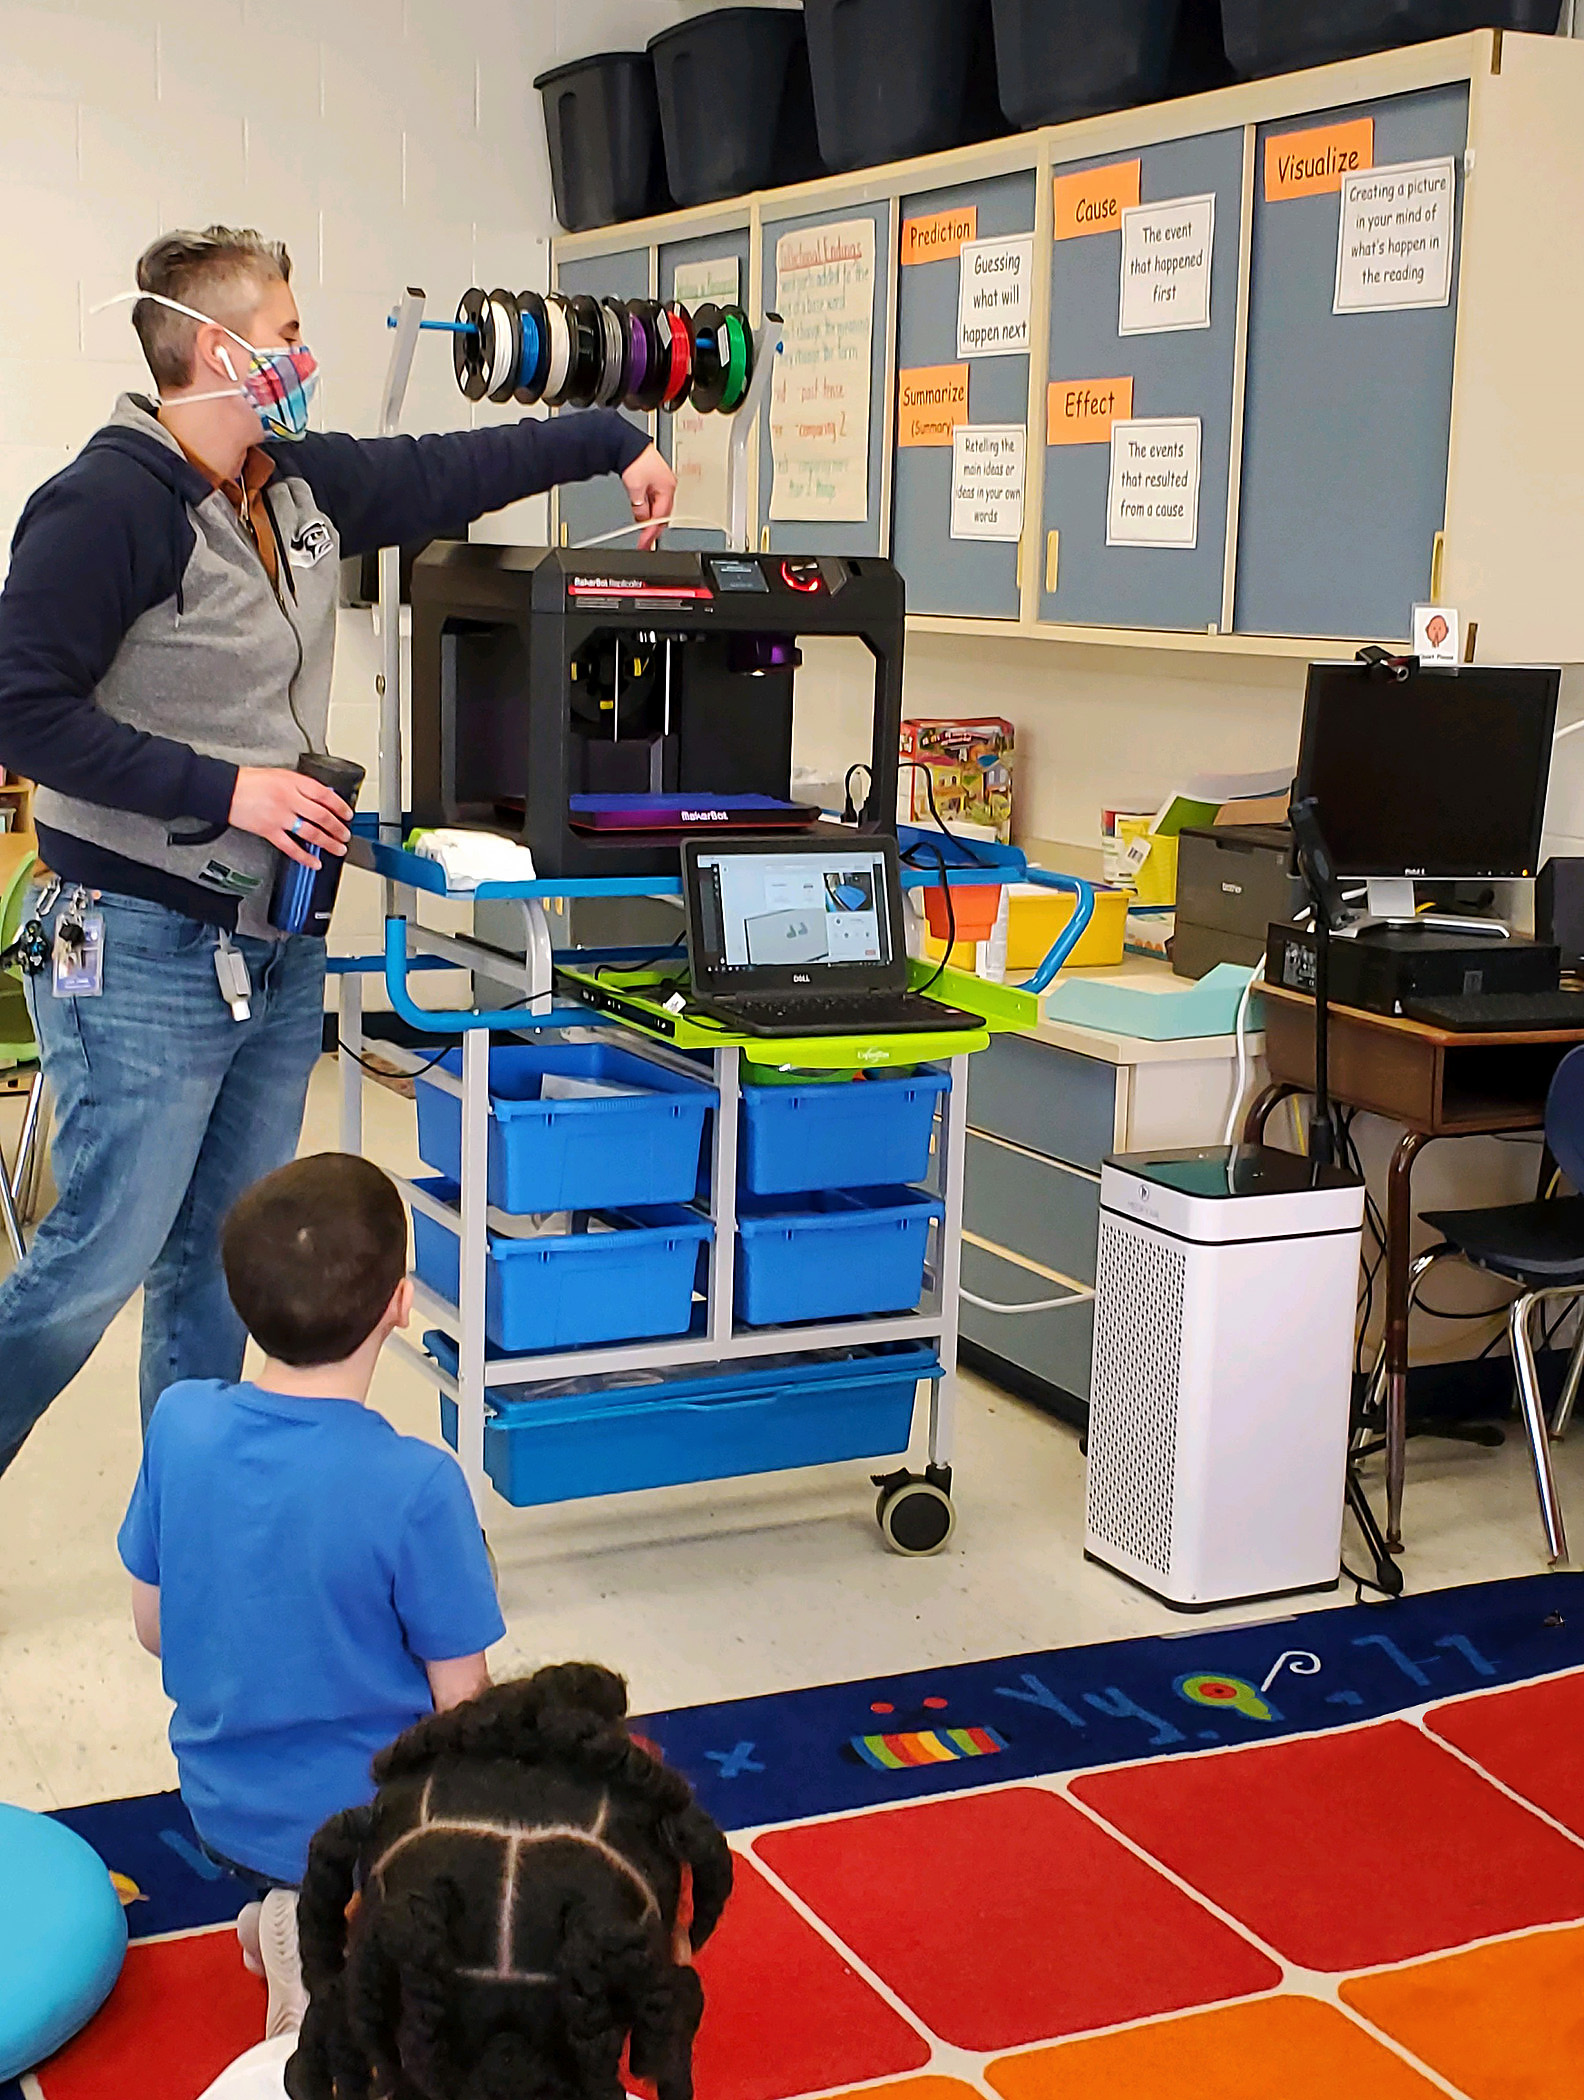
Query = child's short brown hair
x=313 y=1254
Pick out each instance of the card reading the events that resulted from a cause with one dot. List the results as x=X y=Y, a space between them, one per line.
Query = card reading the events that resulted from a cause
x=1155 y=472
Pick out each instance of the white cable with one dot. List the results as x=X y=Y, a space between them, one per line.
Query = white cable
x=1572 y=729
x=602 y=539
x=1240 y=1088
x=1038 y=1304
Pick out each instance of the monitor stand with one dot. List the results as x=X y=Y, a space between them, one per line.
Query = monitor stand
x=1390 y=902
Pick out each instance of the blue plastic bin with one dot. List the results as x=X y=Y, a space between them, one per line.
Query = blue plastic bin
x=573 y=1155
x=835 y=1255
x=556 y=1445
x=574 y=1290
x=871 y=1132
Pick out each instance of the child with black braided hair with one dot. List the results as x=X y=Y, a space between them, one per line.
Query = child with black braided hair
x=515 y=1911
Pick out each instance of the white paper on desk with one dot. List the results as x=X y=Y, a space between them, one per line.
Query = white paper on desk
x=819 y=398
x=699 y=444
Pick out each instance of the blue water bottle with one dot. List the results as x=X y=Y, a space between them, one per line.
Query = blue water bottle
x=303 y=898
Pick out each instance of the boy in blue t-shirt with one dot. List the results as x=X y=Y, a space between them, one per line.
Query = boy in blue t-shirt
x=312 y=1581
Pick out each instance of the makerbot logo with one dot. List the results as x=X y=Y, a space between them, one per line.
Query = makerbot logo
x=706 y=816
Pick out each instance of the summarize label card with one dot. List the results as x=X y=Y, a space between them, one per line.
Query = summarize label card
x=931 y=401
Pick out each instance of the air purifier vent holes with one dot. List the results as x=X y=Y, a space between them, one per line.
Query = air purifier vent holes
x=1133 y=1411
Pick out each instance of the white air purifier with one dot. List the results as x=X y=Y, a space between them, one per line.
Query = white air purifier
x=1223 y=1361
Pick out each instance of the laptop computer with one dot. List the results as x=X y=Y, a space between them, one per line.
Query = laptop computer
x=804 y=936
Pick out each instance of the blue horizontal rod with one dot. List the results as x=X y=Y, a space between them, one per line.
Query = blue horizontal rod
x=445 y=327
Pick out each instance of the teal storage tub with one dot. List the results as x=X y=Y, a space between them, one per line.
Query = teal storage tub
x=578 y=1289
x=836 y=1255
x=559 y=1443
x=573 y=1155
x=868 y=1133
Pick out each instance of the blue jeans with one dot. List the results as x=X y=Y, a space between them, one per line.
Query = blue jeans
x=166 y=1109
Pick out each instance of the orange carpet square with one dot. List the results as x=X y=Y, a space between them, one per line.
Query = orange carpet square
x=783 y=2012
x=914 y=2089
x=1008 y=1918
x=182 y=2010
x=1500 y=2023
x=1293 y=2046
x=1532 y=1739
x=1345 y=1851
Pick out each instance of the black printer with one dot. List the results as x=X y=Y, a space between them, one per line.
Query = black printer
x=1232 y=881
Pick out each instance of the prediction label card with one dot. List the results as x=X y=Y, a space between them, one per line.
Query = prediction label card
x=987 y=481
x=995 y=296
x=1167 y=251
x=1155 y=471
x=939 y=235
x=1394 y=248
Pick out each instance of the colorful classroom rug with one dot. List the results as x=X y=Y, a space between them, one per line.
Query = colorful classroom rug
x=1337 y=1853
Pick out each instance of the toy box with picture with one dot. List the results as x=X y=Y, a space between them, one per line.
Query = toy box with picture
x=970 y=773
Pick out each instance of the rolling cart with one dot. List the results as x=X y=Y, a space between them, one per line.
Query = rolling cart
x=715 y=1247
x=702 y=1311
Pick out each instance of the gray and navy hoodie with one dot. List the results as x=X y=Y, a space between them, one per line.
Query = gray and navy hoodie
x=145 y=655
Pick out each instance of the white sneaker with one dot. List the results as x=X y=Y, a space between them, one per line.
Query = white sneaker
x=247 y=1932
x=288 y=2001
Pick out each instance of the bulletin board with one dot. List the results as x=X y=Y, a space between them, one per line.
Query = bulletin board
x=869 y=533
x=1348 y=419
x=586 y=508
x=1146 y=243
x=947 y=384
x=732 y=247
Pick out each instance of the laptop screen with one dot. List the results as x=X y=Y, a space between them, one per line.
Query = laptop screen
x=776 y=919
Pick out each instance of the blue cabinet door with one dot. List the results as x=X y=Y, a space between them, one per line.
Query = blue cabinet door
x=588 y=508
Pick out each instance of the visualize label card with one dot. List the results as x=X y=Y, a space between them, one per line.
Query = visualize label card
x=1394 y=245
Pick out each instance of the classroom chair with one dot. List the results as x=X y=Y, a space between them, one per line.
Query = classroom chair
x=18 y=1051
x=1539 y=1247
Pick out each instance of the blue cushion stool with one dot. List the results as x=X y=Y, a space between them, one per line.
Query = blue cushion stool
x=63 y=1937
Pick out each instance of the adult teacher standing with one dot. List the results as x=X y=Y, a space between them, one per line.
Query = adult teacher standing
x=167 y=631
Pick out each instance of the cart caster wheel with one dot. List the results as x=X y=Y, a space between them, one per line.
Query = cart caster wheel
x=916 y=1515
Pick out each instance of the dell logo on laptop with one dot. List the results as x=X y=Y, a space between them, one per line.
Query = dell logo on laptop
x=801 y=977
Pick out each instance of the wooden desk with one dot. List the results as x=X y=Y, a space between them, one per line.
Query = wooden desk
x=1436 y=1084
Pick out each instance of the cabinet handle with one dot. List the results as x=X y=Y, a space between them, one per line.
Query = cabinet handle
x=1052 y=561
x=1437 y=557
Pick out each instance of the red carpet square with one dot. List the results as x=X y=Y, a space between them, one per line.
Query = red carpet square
x=1009 y=1918
x=182 y=2010
x=784 y=2013
x=1349 y=1850
x=1531 y=1739
x=1500 y=2023
x=1293 y=2047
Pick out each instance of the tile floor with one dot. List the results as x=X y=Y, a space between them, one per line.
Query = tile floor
x=697 y=1593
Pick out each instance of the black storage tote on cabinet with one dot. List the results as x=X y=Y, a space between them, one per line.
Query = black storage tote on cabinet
x=893 y=78
x=1279 y=36
x=602 y=125
x=736 y=102
x=1059 y=59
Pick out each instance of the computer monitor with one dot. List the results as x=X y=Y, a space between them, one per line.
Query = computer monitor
x=1441 y=773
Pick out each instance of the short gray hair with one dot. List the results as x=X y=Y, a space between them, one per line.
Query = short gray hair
x=214 y=271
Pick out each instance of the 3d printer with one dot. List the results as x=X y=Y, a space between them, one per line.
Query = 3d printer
x=555 y=686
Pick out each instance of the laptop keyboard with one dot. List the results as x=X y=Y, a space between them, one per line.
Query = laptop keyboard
x=862 y=1013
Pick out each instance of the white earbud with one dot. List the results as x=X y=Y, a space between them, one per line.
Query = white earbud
x=224 y=356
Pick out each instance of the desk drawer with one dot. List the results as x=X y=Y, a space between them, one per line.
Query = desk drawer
x=1045 y=1099
x=1056 y=1347
x=1048 y=1213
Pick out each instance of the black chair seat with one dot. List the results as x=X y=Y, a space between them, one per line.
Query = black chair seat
x=1529 y=1243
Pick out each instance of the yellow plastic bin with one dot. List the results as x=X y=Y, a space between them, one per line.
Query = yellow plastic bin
x=1036 y=916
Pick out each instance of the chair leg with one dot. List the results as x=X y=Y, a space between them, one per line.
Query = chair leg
x=1575 y=1371
x=24 y=1175
x=1535 y=1424
x=8 y=1210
